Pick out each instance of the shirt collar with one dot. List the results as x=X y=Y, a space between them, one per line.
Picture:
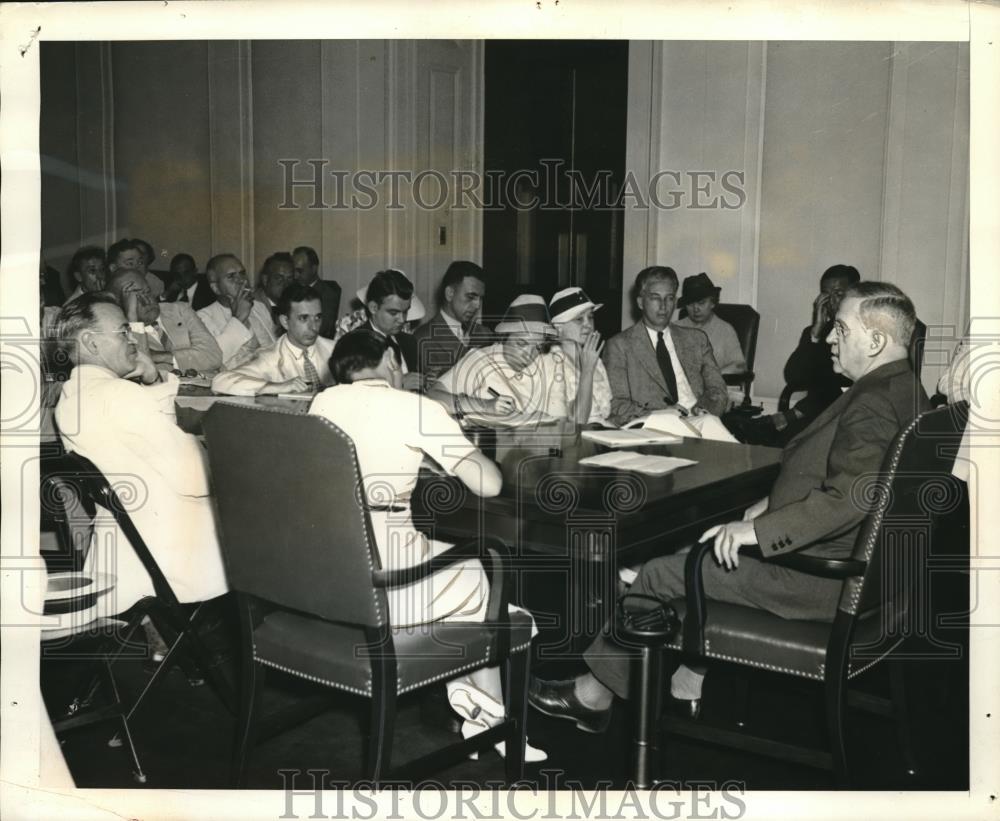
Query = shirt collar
x=295 y=350
x=455 y=326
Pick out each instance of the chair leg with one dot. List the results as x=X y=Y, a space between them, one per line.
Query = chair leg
x=251 y=696
x=835 y=704
x=901 y=715
x=137 y=773
x=516 y=687
x=383 y=719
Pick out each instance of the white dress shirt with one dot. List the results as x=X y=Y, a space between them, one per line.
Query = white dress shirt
x=685 y=396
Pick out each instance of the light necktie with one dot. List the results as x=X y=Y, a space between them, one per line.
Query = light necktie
x=666 y=368
x=311 y=374
x=160 y=337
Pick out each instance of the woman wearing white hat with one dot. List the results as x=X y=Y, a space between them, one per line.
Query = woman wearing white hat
x=390 y=305
x=510 y=376
x=578 y=356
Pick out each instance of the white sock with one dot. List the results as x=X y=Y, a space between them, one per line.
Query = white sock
x=591 y=693
x=686 y=683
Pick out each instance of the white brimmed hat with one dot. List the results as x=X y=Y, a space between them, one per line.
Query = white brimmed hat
x=569 y=303
x=417 y=310
x=526 y=314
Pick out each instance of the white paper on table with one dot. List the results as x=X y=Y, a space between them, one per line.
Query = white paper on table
x=670 y=420
x=630 y=438
x=513 y=420
x=650 y=464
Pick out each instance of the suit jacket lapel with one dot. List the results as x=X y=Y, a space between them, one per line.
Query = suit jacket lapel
x=643 y=350
x=684 y=353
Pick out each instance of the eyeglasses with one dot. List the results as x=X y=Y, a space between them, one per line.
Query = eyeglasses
x=126 y=333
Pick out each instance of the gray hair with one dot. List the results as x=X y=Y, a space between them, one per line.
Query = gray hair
x=885 y=307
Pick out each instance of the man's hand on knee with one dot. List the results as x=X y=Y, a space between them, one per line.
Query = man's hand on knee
x=729 y=538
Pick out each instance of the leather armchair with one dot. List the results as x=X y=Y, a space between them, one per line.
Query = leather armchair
x=300 y=554
x=885 y=583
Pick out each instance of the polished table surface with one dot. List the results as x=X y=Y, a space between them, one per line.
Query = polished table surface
x=571 y=526
x=546 y=491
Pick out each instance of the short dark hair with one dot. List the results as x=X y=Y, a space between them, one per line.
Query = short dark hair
x=123 y=245
x=848 y=272
x=654 y=272
x=83 y=254
x=360 y=349
x=147 y=251
x=296 y=292
x=78 y=315
x=177 y=259
x=886 y=307
x=388 y=283
x=310 y=253
x=274 y=259
x=458 y=271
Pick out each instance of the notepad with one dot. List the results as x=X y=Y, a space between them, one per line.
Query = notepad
x=630 y=438
x=651 y=465
x=670 y=420
x=514 y=420
x=303 y=397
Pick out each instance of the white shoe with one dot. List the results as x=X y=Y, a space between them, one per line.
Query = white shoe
x=532 y=755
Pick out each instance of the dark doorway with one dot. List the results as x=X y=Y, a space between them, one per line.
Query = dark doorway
x=555 y=119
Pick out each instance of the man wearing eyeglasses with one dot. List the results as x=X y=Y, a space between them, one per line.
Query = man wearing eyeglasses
x=117 y=410
x=240 y=324
x=170 y=333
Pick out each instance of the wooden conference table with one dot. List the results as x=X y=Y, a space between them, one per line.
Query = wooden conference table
x=572 y=526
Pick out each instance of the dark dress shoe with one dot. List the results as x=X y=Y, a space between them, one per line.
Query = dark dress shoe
x=689 y=708
x=558 y=699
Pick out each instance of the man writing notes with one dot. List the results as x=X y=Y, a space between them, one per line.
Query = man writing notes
x=655 y=365
x=170 y=333
x=117 y=410
x=392 y=431
x=811 y=506
x=239 y=323
x=456 y=328
x=297 y=362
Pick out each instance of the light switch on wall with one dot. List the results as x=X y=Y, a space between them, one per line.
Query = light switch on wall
x=442 y=235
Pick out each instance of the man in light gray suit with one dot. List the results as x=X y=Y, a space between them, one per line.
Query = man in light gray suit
x=654 y=365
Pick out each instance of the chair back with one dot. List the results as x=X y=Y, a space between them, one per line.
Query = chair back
x=99 y=491
x=291 y=513
x=909 y=497
x=746 y=322
x=67 y=509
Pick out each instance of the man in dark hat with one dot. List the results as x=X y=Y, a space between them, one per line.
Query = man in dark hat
x=699 y=296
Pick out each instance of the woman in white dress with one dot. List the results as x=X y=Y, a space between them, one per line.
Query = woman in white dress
x=577 y=357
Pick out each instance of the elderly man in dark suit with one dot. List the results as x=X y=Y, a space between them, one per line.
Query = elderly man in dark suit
x=456 y=328
x=811 y=506
x=655 y=365
x=307 y=272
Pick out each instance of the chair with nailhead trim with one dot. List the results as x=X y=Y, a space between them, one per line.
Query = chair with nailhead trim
x=886 y=608
x=300 y=554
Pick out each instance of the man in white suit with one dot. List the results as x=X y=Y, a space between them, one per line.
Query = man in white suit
x=299 y=361
x=117 y=410
x=170 y=333
x=240 y=324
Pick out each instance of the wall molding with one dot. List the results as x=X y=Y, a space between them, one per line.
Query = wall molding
x=96 y=147
x=230 y=99
x=753 y=162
